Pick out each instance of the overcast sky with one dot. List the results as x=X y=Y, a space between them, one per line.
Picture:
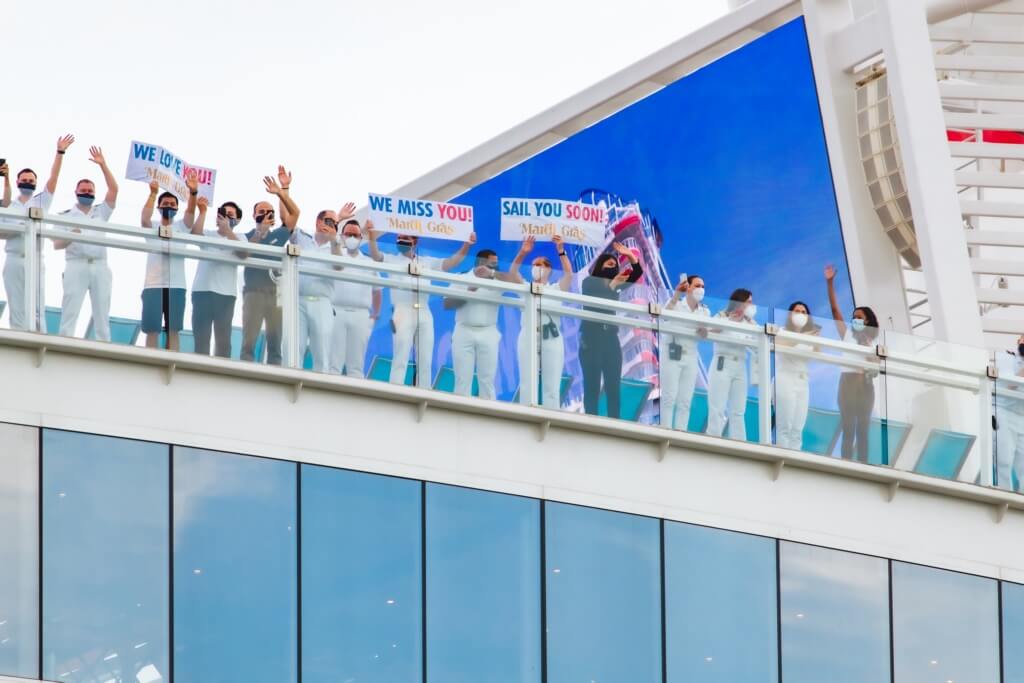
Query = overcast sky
x=354 y=97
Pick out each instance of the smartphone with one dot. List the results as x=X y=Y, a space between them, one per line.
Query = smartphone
x=222 y=212
x=2 y=162
x=682 y=278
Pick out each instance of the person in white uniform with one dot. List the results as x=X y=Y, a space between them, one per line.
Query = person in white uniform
x=549 y=325
x=86 y=269
x=476 y=337
x=1010 y=418
x=411 y=316
x=727 y=386
x=680 y=359
x=792 y=387
x=215 y=285
x=316 y=311
x=14 y=263
x=163 y=294
x=356 y=306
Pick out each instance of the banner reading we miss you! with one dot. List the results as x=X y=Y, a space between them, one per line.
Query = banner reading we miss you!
x=421 y=217
x=148 y=162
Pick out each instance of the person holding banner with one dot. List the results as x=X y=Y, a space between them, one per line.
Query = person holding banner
x=411 y=311
x=163 y=295
x=215 y=286
x=549 y=326
x=316 y=310
x=259 y=290
x=86 y=268
x=14 y=265
x=680 y=360
x=356 y=306
x=600 y=352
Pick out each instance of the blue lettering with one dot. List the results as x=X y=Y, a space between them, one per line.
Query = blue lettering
x=146 y=152
x=380 y=203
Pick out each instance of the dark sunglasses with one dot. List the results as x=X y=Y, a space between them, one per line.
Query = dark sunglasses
x=331 y=223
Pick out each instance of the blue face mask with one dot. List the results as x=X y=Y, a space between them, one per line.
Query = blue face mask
x=858 y=324
x=168 y=212
x=404 y=247
x=233 y=222
x=86 y=199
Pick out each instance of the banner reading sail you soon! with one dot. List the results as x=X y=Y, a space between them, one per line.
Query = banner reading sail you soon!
x=421 y=217
x=147 y=162
x=544 y=218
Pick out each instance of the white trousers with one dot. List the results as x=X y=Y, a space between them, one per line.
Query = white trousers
x=727 y=391
x=405 y=321
x=14 y=284
x=792 y=399
x=349 y=340
x=552 y=362
x=316 y=322
x=678 y=380
x=1009 y=447
x=80 y=277
x=475 y=347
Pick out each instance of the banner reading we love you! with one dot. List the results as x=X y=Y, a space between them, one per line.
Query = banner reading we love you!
x=148 y=162
x=421 y=217
x=542 y=219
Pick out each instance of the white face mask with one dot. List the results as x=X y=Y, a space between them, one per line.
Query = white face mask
x=352 y=243
x=799 y=320
x=539 y=273
x=857 y=324
x=751 y=311
x=697 y=293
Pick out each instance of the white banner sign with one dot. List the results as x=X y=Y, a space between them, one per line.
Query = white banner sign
x=148 y=162
x=542 y=219
x=421 y=217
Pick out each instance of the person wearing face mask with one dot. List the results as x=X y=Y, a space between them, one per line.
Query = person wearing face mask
x=549 y=325
x=727 y=385
x=792 y=388
x=1009 y=418
x=259 y=290
x=86 y=268
x=411 y=316
x=163 y=295
x=356 y=306
x=476 y=338
x=600 y=351
x=14 y=263
x=856 y=386
x=680 y=361
x=215 y=286
x=316 y=310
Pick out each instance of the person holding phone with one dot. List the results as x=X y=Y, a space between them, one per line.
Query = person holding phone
x=680 y=361
x=727 y=385
x=215 y=287
x=856 y=386
x=792 y=387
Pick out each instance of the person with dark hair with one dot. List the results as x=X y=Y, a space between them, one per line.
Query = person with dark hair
x=86 y=269
x=727 y=384
x=680 y=361
x=356 y=306
x=476 y=337
x=856 y=386
x=14 y=264
x=792 y=388
x=600 y=351
x=215 y=287
x=163 y=294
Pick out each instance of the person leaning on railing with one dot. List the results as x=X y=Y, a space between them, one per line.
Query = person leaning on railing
x=259 y=290
x=856 y=386
x=215 y=286
x=792 y=387
x=14 y=264
x=86 y=269
x=680 y=360
x=163 y=294
x=356 y=307
x=549 y=326
x=727 y=381
x=600 y=352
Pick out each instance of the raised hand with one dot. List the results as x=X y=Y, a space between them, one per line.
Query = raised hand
x=272 y=186
x=368 y=229
x=830 y=273
x=192 y=182
x=96 y=156
x=4 y=170
x=621 y=249
x=683 y=286
x=203 y=203
x=284 y=177
x=346 y=212
x=472 y=239
x=527 y=245
x=619 y=279
x=154 y=186
x=559 y=242
x=223 y=225
x=65 y=142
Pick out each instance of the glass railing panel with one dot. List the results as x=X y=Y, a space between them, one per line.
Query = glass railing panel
x=12 y=265
x=1008 y=420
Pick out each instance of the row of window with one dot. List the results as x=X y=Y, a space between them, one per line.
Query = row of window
x=163 y=563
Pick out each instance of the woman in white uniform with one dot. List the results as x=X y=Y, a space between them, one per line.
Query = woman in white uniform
x=792 y=389
x=727 y=384
x=549 y=326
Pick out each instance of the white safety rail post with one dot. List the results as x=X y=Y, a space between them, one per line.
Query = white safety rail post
x=529 y=370
x=33 y=270
x=288 y=299
x=764 y=383
x=421 y=305
x=986 y=393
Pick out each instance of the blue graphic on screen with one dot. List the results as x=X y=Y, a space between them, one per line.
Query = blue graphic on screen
x=723 y=173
